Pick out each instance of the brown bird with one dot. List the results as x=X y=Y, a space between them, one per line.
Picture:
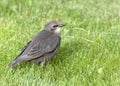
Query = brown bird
x=43 y=46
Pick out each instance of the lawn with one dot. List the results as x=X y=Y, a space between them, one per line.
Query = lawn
x=90 y=47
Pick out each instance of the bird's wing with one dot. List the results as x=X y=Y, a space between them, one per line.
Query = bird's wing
x=24 y=48
x=43 y=47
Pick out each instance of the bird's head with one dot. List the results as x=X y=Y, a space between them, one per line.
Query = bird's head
x=54 y=27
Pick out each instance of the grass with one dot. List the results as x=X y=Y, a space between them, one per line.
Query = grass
x=90 y=46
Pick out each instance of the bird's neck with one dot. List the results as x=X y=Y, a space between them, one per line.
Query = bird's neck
x=56 y=32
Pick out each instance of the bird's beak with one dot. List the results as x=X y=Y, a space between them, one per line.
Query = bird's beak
x=62 y=25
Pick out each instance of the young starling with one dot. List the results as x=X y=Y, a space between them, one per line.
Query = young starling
x=43 y=46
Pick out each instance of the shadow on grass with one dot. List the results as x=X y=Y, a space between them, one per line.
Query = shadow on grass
x=66 y=52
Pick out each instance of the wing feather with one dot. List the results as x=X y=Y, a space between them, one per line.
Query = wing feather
x=43 y=47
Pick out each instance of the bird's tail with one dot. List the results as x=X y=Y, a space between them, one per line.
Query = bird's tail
x=19 y=59
x=14 y=63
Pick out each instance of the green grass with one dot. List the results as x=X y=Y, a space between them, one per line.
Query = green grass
x=90 y=46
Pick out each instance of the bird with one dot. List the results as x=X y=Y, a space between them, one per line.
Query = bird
x=43 y=46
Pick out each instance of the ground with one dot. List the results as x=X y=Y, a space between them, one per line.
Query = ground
x=90 y=47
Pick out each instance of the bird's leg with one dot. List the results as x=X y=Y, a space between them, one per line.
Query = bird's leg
x=43 y=62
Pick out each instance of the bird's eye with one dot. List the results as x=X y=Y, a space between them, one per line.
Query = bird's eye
x=55 y=26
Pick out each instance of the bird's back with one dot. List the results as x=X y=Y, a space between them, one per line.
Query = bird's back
x=40 y=37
